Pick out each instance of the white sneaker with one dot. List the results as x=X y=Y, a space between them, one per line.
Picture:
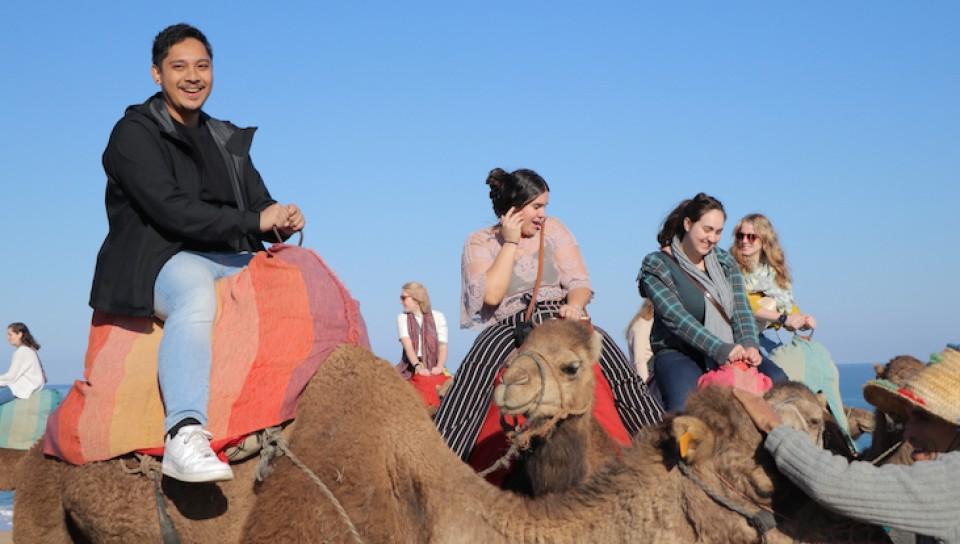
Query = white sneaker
x=187 y=457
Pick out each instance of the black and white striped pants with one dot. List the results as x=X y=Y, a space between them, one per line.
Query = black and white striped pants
x=464 y=407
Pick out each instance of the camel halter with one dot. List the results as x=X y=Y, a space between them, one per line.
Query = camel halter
x=762 y=520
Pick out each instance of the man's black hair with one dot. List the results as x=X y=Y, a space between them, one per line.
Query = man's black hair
x=174 y=34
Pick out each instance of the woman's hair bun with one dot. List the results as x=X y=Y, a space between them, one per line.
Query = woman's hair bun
x=514 y=190
x=499 y=181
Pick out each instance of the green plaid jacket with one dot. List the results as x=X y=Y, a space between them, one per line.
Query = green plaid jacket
x=674 y=327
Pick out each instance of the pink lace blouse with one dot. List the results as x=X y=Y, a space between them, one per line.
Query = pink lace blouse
x=563 y=270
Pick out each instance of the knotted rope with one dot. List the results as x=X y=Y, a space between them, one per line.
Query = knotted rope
x=150 y=467
x=274 y=445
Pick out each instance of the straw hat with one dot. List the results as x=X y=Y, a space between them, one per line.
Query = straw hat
x=935 y=390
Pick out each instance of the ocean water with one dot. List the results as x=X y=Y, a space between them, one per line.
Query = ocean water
x=852 y=378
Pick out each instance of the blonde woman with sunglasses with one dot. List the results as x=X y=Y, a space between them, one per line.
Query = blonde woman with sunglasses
x=766 y=276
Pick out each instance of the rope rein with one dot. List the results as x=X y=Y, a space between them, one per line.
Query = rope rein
x=762 y=521
x=150 y=467
x=274 y=445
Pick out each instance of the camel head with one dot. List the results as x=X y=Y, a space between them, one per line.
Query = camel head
x=552 y=372
x=899 y=369
x=716 y=436
x=800 y=408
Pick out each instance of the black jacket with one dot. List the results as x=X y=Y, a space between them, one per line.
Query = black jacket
x=154 y=205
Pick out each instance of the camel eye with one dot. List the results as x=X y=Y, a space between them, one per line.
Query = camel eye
x=571 y=369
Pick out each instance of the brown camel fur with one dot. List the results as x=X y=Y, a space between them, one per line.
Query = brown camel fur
x=383 y=459
x=9 y=467
x=99 y=502
x=888 y=431
x=567 y=443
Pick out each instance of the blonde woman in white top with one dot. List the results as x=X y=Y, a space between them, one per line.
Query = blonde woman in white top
x=25 y=375
x=422 y=332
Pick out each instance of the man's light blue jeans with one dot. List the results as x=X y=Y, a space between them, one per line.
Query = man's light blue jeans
x=185 y=299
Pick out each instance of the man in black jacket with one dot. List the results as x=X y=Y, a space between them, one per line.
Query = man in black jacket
x=186 y=207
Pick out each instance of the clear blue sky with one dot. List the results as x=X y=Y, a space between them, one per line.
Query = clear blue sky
x=840 y=121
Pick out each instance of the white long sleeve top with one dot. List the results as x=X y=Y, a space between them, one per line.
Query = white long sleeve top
x=25 y=376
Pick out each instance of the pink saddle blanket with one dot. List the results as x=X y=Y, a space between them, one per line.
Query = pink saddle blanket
x=277 y=321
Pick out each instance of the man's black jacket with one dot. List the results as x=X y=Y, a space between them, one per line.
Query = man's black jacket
x=154 y=206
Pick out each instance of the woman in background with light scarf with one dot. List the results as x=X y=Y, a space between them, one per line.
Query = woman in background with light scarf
x=422 y=332
x=702 y=319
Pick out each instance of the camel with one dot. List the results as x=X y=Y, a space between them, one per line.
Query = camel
x=551 y=382
x=396 y=480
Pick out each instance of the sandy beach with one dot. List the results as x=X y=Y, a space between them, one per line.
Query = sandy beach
x=6 y=538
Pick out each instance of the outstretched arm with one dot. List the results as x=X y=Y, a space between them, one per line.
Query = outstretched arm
x=920 y=498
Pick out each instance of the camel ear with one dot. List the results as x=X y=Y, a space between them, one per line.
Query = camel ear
x=596 y=346
x=878 y=368
x=694 y=438
x=822 y=400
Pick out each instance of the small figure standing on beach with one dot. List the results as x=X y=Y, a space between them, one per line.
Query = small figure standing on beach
x=25 y=375
x=422 y=332
x=702 y=319
x=186 y=207
x=499 y=271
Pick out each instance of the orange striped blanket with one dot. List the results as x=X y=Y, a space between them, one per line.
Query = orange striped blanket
x=277 y=320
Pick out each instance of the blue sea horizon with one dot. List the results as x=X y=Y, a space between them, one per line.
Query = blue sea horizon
x=852 y=378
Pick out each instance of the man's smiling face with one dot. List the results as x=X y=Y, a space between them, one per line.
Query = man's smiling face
x=186 y=77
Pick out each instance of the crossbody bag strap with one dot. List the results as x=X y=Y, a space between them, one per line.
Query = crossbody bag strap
x=696 y=283
x=536 y=284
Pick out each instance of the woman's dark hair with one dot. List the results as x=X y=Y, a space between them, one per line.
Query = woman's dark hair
x=27 y=339
x=514 y=190
x=692 y=209
x=172 y=35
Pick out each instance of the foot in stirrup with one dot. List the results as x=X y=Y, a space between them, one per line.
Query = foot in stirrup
x=188 y=457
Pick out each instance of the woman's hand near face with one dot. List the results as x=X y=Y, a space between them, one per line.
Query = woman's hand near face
x=809 y=322
x=510 y=225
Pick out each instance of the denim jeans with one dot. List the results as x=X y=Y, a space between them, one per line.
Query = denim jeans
x=185 y=299
x=6 y=395
x=676 y=375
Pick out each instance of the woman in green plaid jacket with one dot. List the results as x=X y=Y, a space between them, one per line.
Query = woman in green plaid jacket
x=702 y=319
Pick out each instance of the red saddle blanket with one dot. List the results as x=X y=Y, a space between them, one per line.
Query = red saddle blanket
x=492 y=441
x=277 y=320
x=427 y=386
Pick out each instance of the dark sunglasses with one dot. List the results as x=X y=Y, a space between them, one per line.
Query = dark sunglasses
x=748 y=236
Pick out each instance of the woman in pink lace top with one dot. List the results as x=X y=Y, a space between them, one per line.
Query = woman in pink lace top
x=499 y=269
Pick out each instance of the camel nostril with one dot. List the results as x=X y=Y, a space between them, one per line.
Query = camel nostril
x=519 y=378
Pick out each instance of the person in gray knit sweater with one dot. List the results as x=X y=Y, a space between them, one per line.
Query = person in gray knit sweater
x=922 y=498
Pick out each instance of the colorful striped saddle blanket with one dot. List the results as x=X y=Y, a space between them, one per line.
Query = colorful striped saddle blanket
x=22 y=421
x=277 y=320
